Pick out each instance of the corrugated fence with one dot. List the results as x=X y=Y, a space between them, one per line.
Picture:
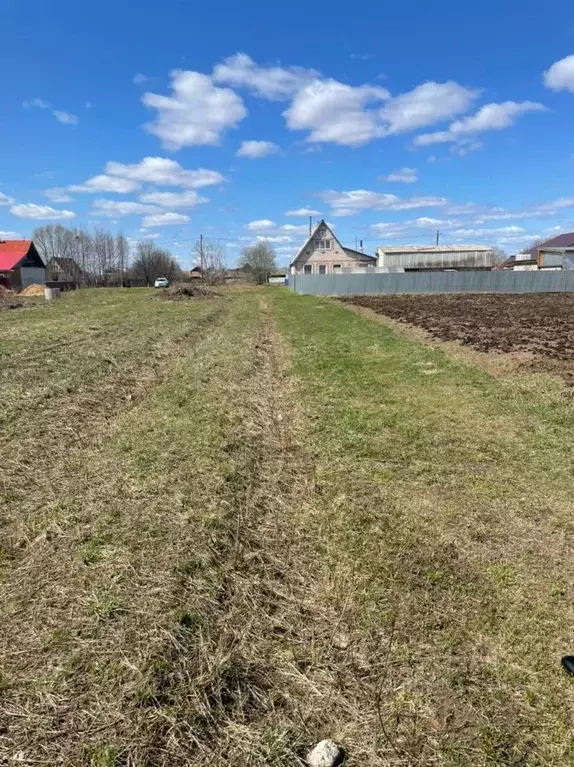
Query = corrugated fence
x=433 y=282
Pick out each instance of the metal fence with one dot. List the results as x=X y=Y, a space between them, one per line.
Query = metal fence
x=434 y=282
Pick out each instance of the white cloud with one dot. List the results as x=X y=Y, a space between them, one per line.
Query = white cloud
x=139 y=79
x=489 y=117
x=273 y=83
x=150 y=235
x=561 y=202
x=197 y=113
x=10 y=236
x=464 y=147
x=117 y=208
x=333 y=111
x=348 y=203
x=5 y=200
x=256 y=149
x=560 y=76
x=30 y=210
x=427 y=104
x=403 y=176
x=341 y=113
x=164 y=172
x=481 y=233
x=402 y=229
x=340 y=212
x=36 y=104
x=188 y=199
x=164 y=219
x=303 y=212
x=105 y=183
x=88 y=105
x=261 y=225
x=278 y=238
x=545 y=209
x=57 y=194
x=66 y=118
x=302 y=229
x=426 y=221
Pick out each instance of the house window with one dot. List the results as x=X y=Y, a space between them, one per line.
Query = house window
x=322 y=244
x=336 y=267
x=327 y=244
x=307 y=269
x=322 y=269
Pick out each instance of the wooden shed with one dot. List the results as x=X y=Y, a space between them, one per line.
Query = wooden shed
x=20 y=264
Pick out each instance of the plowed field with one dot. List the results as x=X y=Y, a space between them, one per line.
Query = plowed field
x=541 y=323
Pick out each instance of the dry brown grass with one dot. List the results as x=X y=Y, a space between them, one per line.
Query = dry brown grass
x=291 y=532
x=156 y=606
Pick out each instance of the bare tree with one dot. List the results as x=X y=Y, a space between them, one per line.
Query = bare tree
x=499 y=255
x=152 y=262
x=535 y=244
x=260 y=259
x=122 y=256
x=211 y=257
x=52 y=241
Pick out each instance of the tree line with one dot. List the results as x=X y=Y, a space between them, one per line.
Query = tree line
x=102 y=258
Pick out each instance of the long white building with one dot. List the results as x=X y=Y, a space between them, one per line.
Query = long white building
x=410 y=258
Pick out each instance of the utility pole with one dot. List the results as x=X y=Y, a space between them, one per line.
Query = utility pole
x=310 y=225
x=201 y=254
x=437 y=237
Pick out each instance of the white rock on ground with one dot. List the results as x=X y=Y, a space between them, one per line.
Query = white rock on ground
x=325 y=754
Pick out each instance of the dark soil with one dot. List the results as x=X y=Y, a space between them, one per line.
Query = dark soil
x=540 y=323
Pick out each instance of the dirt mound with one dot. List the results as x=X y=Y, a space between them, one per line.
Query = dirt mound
x=8 y=299
x=184 y=291
x=33 y=290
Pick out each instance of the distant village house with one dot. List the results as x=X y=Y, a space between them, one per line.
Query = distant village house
x=20 y=264
x=322 y=253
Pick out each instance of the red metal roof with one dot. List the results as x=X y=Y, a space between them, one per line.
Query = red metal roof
x=12 y=252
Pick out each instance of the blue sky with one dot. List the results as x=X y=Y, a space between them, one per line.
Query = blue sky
x=390 y=120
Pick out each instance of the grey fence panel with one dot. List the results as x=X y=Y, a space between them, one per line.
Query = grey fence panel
x=434 y=282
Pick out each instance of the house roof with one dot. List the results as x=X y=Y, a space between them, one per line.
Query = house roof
x=393 y=249
x=353 y=252
x=561 y=241
x=12 y=252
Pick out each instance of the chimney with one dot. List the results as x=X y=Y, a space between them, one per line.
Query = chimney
x=310 y=225
x=362 y=251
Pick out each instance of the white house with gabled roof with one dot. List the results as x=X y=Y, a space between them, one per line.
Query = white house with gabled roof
x=322 y=253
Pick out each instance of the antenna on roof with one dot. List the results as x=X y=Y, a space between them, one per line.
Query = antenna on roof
x=310 y=225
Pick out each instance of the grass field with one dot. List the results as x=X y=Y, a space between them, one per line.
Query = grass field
x=233 y=527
